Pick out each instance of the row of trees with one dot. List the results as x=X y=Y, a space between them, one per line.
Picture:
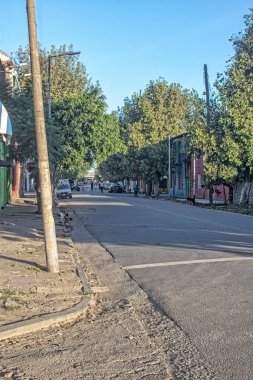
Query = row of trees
x=221 y=131
x=80 y=132
x=133 y=143
x=146 y=121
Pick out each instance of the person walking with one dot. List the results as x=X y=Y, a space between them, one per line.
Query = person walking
x=92 y=185
x=136 y=190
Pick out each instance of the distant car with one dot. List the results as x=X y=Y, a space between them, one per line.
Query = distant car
x=106 y=185
x=63 y=190
x=115 y=188
x=75 y=187
x=64 y=181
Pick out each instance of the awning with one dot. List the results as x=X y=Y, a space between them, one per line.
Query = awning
x=5 y=122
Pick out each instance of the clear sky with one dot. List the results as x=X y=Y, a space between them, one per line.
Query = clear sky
x=126 y=43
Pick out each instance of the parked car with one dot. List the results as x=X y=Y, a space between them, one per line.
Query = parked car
x=75 y=187
x=64 y=181
x=106 y=185
x=115 y=188
x=63 y=190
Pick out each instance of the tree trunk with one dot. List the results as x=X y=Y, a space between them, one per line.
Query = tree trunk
x=55 y=176
x=249 y=183
x=22 y=181
x=16 y=180
x=128 y=188
x=230 y=194
x=148 y=189
x=211 y=191
x=249 y=196
x=224 y=194
x=156 y=189
x=142 y=186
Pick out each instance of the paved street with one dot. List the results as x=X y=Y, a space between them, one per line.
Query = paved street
x=196 y=264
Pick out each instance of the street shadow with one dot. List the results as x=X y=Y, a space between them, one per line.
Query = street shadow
x=174 y=229
x=20 y=230
x=12 y=238
x=27 y=262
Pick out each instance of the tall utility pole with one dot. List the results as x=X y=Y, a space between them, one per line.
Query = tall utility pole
x=41 y=139
x=194 y=176
x=208 y=117
x=169 y=168
x=207 y=94
x=49 y=87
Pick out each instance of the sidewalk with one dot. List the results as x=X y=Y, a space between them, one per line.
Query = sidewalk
x=27 y=290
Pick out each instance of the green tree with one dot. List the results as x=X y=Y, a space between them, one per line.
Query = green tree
x=89 y=135
x=147 y=120
x=149 y=164
x=156 y=114
x=235 y=88
x=22 y=147
x=68 y=74
x=113 y=168
x=153 y=164
x=68 y=77
x=226 y=141
x=79 y=111
x=214 y=141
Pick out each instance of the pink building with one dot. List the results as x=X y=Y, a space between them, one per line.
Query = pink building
x=187 y=174
x=220 y=191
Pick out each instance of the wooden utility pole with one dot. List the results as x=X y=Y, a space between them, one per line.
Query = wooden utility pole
x=207 y=94
x=169 y=167
x=208 y=118
x=41 y=139
x=49 y=87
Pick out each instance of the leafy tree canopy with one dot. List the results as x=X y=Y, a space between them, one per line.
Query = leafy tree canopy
x=151 y=117
x=235 y=88
x=80 y=132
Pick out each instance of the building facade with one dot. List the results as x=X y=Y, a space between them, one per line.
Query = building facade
x=187 y=174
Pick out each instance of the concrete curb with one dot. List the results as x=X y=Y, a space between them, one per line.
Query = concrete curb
x=45 y=321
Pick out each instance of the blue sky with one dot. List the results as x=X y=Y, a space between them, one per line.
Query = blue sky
x=126 y=43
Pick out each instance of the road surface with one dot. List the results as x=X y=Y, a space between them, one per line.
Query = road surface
x=194 y=263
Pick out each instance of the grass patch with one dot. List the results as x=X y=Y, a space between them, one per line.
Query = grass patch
x=11 y=298
x=35 y=269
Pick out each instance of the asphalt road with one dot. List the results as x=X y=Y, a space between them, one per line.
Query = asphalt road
x=196 y=264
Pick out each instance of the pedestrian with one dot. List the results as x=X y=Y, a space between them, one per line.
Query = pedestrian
x=101 y=187
x=136 y=190
x=91 y=185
